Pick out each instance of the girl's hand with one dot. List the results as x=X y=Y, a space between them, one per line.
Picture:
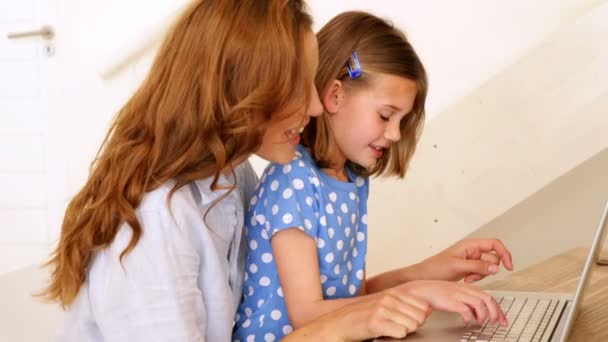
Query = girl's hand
x=466 y=299
x=392 y=313
x=471 y=259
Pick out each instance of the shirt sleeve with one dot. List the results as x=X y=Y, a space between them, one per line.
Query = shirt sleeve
x=153 y=295
x=287 y=201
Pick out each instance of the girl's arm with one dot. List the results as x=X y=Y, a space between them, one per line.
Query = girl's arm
x=298 y=266
x=471 y=259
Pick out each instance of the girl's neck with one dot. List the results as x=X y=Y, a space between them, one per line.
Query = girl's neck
x=336 y=168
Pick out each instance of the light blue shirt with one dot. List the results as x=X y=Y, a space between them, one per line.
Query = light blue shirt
x=331 y=212
x=181 y=282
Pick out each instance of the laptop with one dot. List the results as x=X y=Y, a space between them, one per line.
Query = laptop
x=532 y=316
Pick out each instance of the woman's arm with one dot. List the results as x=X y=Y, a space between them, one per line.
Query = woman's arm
x=369 y=318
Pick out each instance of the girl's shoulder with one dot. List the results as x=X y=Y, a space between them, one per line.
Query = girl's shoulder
x=300 y=166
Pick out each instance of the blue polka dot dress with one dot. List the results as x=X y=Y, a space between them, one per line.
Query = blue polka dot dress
x=332 y=212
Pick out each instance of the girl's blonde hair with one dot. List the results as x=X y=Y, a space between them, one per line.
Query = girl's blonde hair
x=381 y=49
x=224 y=70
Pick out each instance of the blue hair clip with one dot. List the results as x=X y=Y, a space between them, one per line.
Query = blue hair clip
x=353 y=66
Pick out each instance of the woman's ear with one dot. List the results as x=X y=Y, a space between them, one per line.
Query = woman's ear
x=333 y=97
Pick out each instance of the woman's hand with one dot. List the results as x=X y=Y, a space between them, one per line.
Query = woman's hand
x=471 y=259
x=466 y=299
x=393 y=313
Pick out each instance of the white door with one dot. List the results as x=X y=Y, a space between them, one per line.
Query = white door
x=32 y=166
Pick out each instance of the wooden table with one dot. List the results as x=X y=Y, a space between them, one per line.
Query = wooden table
x=561 y=274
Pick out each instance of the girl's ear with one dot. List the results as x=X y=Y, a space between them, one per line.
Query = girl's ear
x=333 y=97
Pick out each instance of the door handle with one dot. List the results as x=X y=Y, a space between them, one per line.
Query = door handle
x=45 y=32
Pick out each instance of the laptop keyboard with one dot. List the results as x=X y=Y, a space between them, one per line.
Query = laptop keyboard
x=528 y=319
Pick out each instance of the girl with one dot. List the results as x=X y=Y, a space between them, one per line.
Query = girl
x=151 y=247
x=307 y=223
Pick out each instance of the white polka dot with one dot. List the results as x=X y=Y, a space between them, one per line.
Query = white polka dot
x=329 y=208
x=359 y=274
x=344 y=279
x=287 y=218
x=274 y=185
x=352 y=242
x=307 y=224
x=260 y=218
x=339 y=221
x=352 y=289
x=287 y=329
x=329 y=257
x=345 y=256
x=349 y=265
x=337 y=269
x=246 y=276
x=287 y=193
x=364 y=219
x=323 y=221
x=301 y=164
x=298 y=184
x=355 y=252
x=251 y=338
x=264 y=281
x=323 y=278
x=253 y=244
x=254 y=200
x=344 y=208
x=271 y=170
x=298 y=206
x=287 y=169
x=353 y=218
x=250 y=291
x=333 y=196
x=261 y=319
x=331 y=291
x=253 y=220
x=347 y=231
x=280 y=291
x=261 y=192
x=315 y=181
x=309 y=201
x=276 y=315
x=248 y=312
x=269 y=337
x=359 y=181
x=260 y=303
x=340 y=245
x=267 y=258
x=253 y=268
x=275 y=209
x=330 y=233
x=247 y=323
x=320 y=243
x=360 y=236
x=352 y=195
x=264 y=234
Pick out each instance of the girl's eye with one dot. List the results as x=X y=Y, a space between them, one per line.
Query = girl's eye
x=384 y=117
